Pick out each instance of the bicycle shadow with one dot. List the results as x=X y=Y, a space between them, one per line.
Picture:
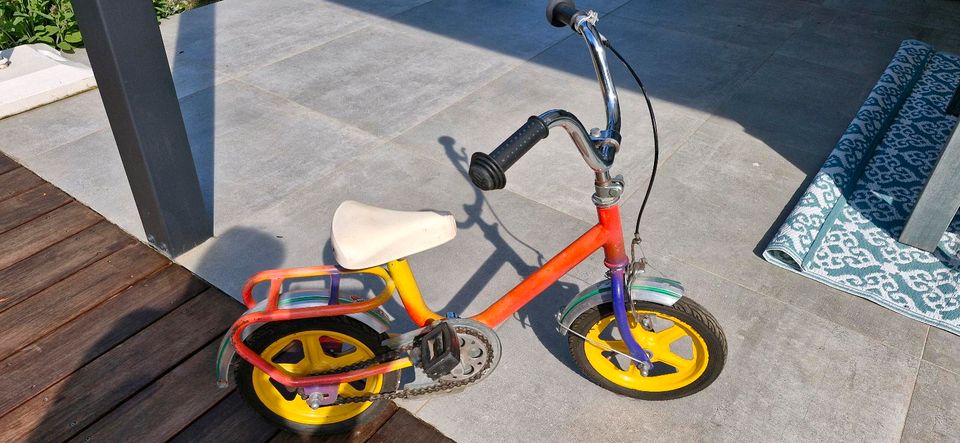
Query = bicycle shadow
x=539 y=313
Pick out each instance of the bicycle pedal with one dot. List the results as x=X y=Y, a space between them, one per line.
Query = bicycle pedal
x=439 y=349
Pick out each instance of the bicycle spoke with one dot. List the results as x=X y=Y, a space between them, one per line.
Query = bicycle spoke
x=669 y=335
x=349 y=359
x=672 y=359
x=313 y=353
x=349 y=390
x=616 y=345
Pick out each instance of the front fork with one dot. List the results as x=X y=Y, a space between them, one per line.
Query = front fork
x=618 y=289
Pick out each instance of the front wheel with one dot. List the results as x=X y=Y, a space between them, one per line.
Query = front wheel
x=685 y=343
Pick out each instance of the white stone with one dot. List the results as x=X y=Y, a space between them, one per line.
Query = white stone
x=37 y=74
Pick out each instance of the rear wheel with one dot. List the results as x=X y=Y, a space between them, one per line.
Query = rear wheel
x=310 y=346
x=687 y=347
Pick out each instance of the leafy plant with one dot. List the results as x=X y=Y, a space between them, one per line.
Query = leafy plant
x=53 y=22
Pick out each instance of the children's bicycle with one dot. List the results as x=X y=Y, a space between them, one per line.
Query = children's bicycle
x=320 y=361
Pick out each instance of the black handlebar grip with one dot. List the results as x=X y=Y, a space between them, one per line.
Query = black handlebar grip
x=560 y=13
x=488 y=171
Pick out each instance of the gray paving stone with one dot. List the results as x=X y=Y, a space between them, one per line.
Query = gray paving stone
x=516 y=28
x=34 y=132
x=680 y=67
x=797 y=108
x=856 y=21
x=208 y=45
x=498 y=26
x=942 y=349
x=553 y=173
x=252 y=148
x=935 y=406
x=384 y=78
x=748 y=23
x=380 y=8
x=940 y=14
x=859 y=43
x=715 y=205
x=790 y=376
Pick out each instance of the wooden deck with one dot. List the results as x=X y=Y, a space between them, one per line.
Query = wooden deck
x=103 y=338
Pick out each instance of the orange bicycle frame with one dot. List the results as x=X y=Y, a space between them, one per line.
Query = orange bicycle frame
x=606 y=234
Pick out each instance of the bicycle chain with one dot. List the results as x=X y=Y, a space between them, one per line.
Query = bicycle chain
x=442 y=385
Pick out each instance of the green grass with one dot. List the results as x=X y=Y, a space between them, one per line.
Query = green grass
x=53 y=21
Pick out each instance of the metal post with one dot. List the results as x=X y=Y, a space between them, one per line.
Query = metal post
x=128 y=60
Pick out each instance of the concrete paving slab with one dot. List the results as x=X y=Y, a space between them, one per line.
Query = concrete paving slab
x=388 y=77
x=32 y=133
x=943 y=349
x=939 y=14
x=790 y=106
x=683 y=68
x=935 y=406
x=208 y=45
x=855 y=42
x=715 y=204
x=553 y=173
x=252 y=148
x=501 y=26
x=748 y=23
x=790 y=376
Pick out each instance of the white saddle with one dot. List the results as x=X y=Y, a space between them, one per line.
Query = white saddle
x=365 y=236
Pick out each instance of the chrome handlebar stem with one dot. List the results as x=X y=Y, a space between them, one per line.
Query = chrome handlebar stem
x=586 y=27
x=581 y=138
x=598 y=147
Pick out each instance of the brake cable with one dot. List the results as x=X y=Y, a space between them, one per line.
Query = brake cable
x=635 y=243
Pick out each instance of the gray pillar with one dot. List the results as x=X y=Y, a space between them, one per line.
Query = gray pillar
x=128 y=59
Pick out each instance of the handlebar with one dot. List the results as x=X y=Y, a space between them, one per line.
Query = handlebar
x=598 y=148
x=487 y=171
x=560 y=13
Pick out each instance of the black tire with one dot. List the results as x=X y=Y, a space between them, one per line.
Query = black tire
x=685 y=310
x=264 y=336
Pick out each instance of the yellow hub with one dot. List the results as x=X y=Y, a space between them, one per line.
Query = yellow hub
x=685 y=370
x=309 y=352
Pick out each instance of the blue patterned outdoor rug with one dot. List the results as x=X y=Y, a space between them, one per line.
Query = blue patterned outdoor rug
x=844 y=230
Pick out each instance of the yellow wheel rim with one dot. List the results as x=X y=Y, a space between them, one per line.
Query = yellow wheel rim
x=309 y=352
x=671 y=371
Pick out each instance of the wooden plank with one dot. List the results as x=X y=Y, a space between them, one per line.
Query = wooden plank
x=228 y=421
x=6 y=164
x=36 y=316
x=160 y=411
x=72 y=404
x=44 y=231
x=55 y=356
x=359 y=434
x=404 y=427
x=55 y=263
x=938 y=202
x=17 y=182
x=30 y=205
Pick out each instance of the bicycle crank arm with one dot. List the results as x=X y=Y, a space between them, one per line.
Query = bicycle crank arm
x=479 y=354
